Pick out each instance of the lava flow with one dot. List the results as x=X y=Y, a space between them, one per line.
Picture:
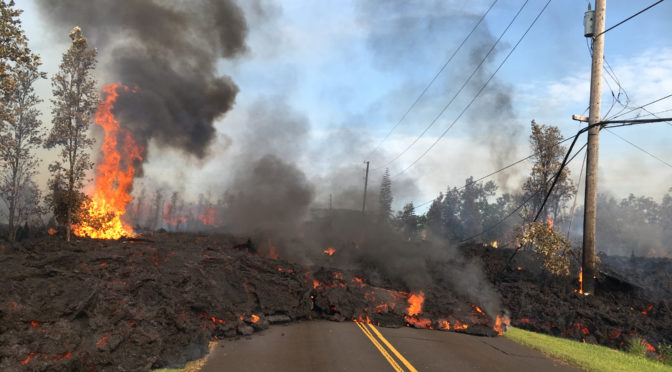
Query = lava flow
x=114 y=175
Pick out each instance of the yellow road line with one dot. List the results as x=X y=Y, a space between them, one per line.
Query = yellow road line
x=389 y=346
x=380 y=348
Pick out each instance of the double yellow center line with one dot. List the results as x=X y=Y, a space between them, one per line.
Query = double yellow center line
x=372 y=333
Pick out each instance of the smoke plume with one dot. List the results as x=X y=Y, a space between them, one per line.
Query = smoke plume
x=170 y=52
x=404 y=35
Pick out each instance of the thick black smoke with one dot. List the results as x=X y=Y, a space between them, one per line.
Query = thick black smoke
x=169 y=50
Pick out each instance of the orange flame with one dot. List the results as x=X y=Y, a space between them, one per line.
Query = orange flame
x=114 y=175
x=549 y=222
x=272 y=253
x=581 y=281
x=208 y=216
x=255 y=318
x=415 y=303
x=501 y=323
x=330 y=251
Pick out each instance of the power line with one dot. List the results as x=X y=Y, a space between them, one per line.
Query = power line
x=654 y=114
x=445 y=107
x=621 y=123
x=641 y=107
x=632 y=122
x=640 y=149
x=629 y=18
x=479 y=91
x=493 y=226
x=576 y=195
x=497 y=171
x=433 y=79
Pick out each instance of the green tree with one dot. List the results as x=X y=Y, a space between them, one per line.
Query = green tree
x=20 y=128
x=20 y=134
x=13 y=49
x=75 y=100
x=470 y=211
x=450 y=212
x=385 y=198
x=409 y=221
x=548 y=156
x=435 y=216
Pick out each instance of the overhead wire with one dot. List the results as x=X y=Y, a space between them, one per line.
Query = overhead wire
x=639 y=148
x=576 y=195
x=640 y=107
x=431 y=82
x=533 y=195
x=629 y=18
x=497 y=171
x=479 y=91
x=464 y=84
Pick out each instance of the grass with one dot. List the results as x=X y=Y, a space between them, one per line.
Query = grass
x=592 y=358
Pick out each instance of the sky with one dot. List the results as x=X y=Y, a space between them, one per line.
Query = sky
x=339 y=75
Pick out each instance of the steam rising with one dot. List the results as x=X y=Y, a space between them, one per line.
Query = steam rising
x=170 y=53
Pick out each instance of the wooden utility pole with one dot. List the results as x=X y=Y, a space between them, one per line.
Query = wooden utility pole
x=366 y=183
x=590 y=214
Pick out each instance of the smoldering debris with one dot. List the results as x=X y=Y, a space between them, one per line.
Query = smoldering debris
x=156 y=301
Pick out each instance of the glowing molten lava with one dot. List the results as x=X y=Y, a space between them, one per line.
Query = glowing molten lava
x=114 y=175
x=330 y=251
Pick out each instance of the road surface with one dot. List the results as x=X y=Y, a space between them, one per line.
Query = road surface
x=348 y=346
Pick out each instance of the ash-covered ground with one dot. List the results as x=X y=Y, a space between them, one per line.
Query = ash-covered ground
x=158 y=300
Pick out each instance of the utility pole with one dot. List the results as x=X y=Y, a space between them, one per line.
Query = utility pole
x=366 y=183
x=590 y=213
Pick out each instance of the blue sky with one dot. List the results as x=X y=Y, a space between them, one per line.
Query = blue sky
x=350 y=69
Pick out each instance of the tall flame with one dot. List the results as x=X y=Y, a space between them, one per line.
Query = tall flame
x=114 y=175
x=415 y=301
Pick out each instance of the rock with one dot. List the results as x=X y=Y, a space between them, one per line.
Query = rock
x=245 y=330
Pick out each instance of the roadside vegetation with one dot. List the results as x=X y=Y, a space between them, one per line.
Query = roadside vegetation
x=589 y=357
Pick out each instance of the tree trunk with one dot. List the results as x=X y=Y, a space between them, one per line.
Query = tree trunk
x=67 y=226
x=12 y=230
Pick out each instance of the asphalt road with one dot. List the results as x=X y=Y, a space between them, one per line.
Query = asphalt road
x=349 y=346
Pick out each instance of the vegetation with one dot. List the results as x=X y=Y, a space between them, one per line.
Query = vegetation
x=637 y=347
x=75 y=100
x=385 y=198
x=550 y=248
x=20 y=128
x=665 y=351
x=548 y=156
x=619 y=235
x=591 y=358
